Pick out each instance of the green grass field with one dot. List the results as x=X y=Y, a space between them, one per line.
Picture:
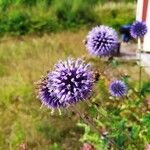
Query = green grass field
x=22 y=62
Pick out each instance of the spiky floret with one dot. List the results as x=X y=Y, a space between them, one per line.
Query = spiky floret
x=118 y=88
x=102 y=41
x=138 y=29
x=71 y=81
x=47 y=97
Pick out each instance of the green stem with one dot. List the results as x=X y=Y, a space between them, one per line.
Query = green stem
x=88 y=121
x=140 y=66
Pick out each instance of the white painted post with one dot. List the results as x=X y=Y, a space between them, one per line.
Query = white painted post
x=139 y=10
x=143 y=14
x=146 y=44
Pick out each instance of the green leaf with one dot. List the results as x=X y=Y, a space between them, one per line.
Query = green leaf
x=145 y=88
x=146 y=121
x=93 y=111
x=120 y=139
x=122 y=125
x=125 y=78
x=55 y=146
x=114 y=63
x=135 y=131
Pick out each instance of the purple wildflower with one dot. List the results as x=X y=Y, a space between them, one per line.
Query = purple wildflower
x=118 y=88
x=102 y=41
x=138 y=29
x=48 y=98
x=71 y=81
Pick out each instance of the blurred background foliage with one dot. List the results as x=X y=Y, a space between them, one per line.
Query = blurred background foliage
x=18 y=17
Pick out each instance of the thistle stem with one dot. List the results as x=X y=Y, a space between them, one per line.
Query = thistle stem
x=140 y=66
x=41 y=106
x=59 y=112
x=52 y=111
x=89 y=121
x=103 y=115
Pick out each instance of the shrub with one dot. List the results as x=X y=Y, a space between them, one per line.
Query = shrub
x=26 y=16
x=15 y=22
x=74 y=12
x=18 y=23
x=116 y=14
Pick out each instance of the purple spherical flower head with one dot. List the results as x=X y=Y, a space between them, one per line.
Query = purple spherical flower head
x=48 y=98
x=138 y=29
x=118 y=88
x=71 y=81
x=102 y=41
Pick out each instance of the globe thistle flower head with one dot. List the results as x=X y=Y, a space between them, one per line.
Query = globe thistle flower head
x=46 y=96
x=117 y=88
x=138 y=29
x=102 y=41
x=71 y=80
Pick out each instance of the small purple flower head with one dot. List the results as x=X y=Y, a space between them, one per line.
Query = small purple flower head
x=138 y=29
x=102 y=41
x=117 y=88
x=48 y=98
x=71 y=81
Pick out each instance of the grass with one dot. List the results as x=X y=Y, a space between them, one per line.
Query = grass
x=22 y=62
